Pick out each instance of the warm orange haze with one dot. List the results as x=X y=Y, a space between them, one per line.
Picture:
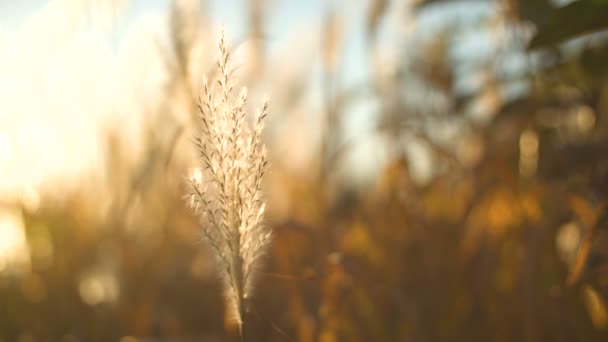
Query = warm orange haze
x=424 y=170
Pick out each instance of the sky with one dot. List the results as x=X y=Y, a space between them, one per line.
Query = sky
x=32 y=27
x=283 y=16
x=295 y=23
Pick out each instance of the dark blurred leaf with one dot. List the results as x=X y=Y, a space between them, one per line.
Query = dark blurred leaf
x=536 y=11
x=571 y=21
x=594 y=61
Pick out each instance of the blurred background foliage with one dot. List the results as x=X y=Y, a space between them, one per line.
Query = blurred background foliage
x=457 y=192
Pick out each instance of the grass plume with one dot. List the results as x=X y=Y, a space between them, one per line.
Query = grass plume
x=228 y=199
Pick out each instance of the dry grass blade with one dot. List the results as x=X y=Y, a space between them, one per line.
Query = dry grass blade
x=229 y=199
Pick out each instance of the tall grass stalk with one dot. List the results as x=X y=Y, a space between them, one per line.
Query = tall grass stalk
x=228 y=197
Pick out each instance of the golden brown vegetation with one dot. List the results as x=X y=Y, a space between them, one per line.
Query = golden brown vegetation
x=470 y=206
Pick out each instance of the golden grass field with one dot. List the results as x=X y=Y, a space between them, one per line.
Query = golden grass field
x=432 y=170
